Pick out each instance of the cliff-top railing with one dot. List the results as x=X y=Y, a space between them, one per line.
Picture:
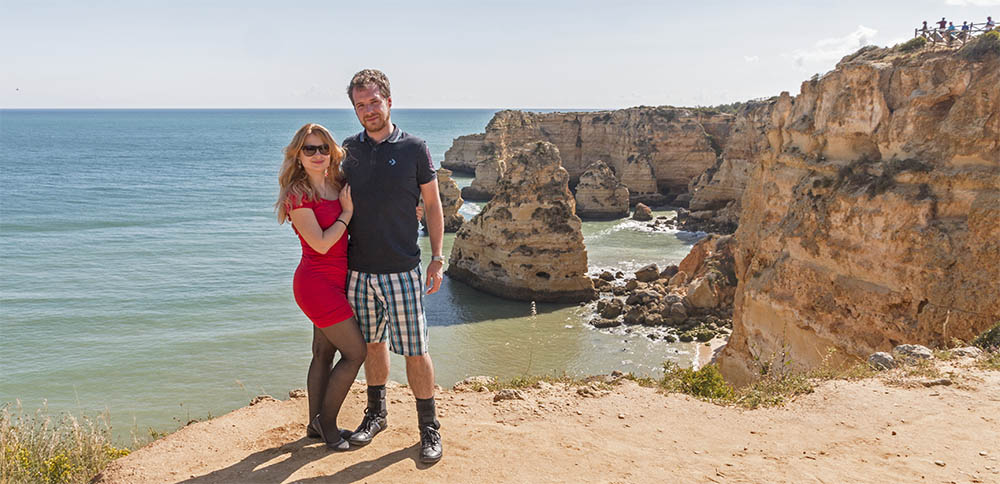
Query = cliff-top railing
x=951 y=38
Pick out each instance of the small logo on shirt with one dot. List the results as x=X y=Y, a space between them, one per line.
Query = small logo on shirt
x=392 y=162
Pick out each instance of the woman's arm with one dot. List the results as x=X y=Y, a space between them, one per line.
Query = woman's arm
x=304 y=220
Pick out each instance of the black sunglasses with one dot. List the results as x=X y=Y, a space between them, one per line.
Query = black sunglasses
x=310 y=150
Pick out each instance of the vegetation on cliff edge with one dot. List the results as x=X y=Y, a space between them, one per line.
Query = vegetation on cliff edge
x=39 y=447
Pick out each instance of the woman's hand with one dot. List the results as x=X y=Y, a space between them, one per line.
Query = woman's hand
x=346 y=202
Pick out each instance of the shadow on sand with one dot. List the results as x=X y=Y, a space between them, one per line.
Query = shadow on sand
x=277 y=464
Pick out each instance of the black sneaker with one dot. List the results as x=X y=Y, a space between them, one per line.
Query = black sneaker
x=370 y=426
x=430 y=444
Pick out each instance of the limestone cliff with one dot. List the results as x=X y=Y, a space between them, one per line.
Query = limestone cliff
x=600 y=195
x=526 y=243
x=464 y=153
x=673 y=144
x=721 y=186
x=873 y=215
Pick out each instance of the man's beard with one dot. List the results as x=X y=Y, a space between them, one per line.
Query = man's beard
x=375 y=125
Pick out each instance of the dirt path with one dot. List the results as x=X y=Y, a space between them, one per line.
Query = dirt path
x=863 y=431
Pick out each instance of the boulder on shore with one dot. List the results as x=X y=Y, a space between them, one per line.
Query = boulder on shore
x=642 y=213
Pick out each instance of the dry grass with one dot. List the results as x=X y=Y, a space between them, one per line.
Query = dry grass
x=777 y=385
x=42 y=448
x=521 y=382
x=989 y=361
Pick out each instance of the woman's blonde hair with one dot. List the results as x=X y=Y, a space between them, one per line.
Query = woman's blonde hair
x=292 y=177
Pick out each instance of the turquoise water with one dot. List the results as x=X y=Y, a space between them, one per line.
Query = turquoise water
x=142 y=271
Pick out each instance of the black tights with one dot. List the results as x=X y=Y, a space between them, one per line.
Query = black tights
x=328 y=387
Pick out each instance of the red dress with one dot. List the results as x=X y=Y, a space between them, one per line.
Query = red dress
x=320 y=283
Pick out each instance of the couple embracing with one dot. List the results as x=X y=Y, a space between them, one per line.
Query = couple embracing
x=363 y=293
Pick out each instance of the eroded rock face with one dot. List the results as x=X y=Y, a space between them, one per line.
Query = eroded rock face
x=674 y=144
x=451 y=200
x=873 y=218
x=526 y=243
x=489 y=171
x=600 y=195
x=719 y=189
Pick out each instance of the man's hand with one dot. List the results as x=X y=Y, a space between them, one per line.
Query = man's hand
x=435 y=273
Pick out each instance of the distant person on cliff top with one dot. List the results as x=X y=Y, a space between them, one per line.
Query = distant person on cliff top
x=314 y=198
x=942 y=24
x=388 y=171
x=989 y=24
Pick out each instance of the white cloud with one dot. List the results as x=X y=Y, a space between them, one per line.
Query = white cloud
x=973 y=3
x=751 y=58
x=834 y=48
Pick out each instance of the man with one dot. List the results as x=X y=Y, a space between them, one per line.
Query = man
x=388 y=171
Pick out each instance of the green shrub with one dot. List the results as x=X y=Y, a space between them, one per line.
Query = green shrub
x=981 y=47
x=913 y=44
x=706 y=382
x=990 y=339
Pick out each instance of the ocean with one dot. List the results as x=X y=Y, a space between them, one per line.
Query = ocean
x=143 y=273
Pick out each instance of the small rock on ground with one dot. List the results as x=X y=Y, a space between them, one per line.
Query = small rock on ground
x=881 y=361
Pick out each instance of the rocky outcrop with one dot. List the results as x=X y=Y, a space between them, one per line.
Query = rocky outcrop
x=689 y=302
x=489 y=171
x=526 y=243
x=451 y=200
x=655 y=149
x=873 y=217
x=600 y=195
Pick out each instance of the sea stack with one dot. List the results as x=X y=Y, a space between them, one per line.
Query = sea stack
x=600 y=195
x=526 y=243
x=451 y=200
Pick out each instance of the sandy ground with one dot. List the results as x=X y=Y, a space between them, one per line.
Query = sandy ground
x=863 y=431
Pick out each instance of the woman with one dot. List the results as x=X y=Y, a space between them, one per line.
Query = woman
x=313 y=197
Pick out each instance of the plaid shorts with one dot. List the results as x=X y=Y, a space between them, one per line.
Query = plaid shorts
x=390 y=306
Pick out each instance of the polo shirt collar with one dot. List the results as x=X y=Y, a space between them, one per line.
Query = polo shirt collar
x=393 y=137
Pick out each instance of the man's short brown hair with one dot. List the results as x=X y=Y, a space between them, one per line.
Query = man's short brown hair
x=366 y=78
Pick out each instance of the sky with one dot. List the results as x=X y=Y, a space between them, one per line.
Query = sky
x=438 y=54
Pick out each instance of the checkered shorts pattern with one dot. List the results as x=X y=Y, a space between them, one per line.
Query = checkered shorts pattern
x=390 y=306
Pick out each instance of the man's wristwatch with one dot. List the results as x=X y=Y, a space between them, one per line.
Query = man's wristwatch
x=437 y=258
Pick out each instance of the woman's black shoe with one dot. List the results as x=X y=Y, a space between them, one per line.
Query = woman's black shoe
x=340 y=445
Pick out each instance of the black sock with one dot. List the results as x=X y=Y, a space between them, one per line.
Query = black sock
x=376 y=400
x=426 y=413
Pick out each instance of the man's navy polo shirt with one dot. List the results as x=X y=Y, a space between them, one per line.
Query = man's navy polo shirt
x=385 y=181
